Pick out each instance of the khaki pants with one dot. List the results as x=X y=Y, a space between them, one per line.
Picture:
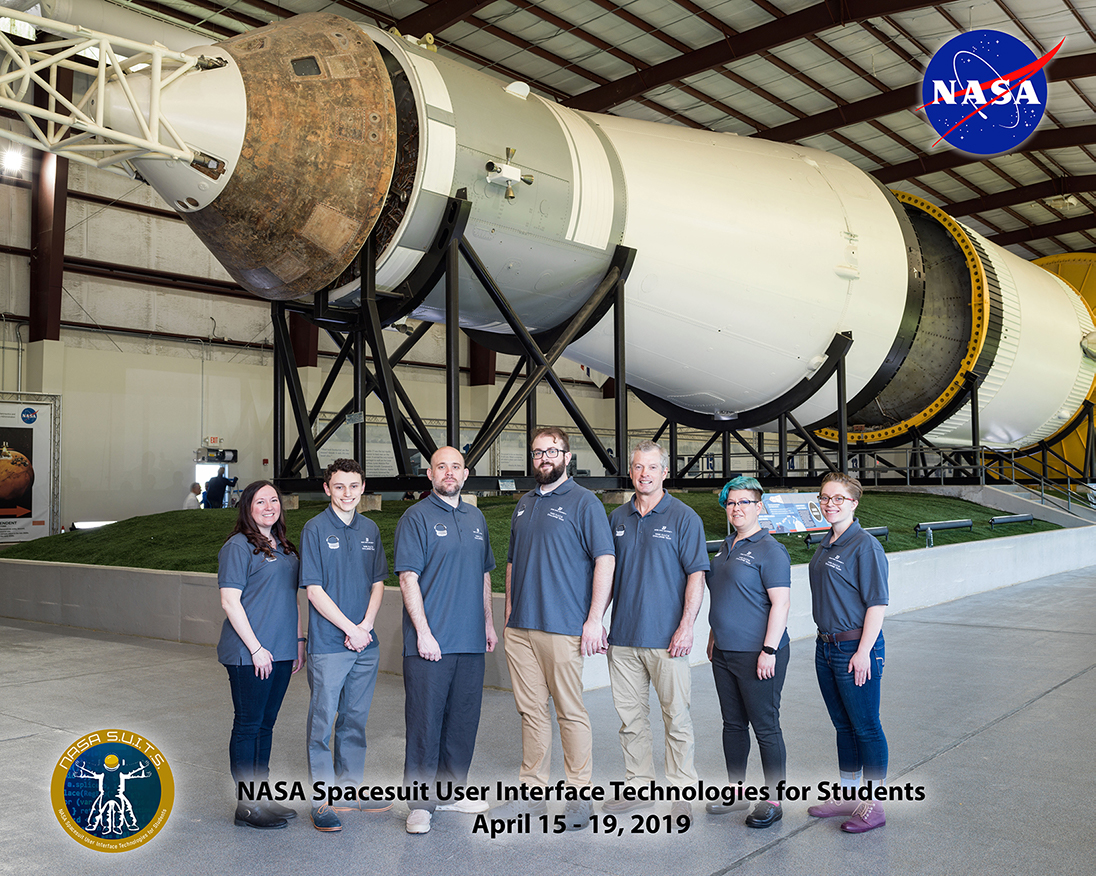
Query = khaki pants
x=544 y=665
x=631 y=672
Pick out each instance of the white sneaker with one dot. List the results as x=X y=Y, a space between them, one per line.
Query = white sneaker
x=418 y=821
x=470 y=807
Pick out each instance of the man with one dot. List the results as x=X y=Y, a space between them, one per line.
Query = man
x=192 y=502
x=444 y=559
x=343 y=568
x=658 y=586
x=215 y=489
x=559 y=567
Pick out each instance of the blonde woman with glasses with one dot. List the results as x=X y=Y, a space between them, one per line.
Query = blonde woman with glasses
x=849 y=595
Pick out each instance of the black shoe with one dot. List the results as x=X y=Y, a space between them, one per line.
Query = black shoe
x=765 y=814
x=279 y=810
x=720 y=808
x=253 y=815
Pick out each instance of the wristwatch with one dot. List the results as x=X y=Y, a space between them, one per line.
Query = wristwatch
x=770 y=651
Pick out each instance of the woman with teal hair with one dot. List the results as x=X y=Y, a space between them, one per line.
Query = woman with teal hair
x=750 y=584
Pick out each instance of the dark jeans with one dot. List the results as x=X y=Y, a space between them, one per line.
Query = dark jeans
x=744 y=699
x=854 y=710
x=442 y=711
x=256 y=701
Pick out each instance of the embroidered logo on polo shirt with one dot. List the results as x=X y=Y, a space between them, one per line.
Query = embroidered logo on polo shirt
x=367 y=545
x=333 y=542
x=477 y=534
x=558 y=513
x=440 y=530
x=521 y=510
x=619 y=531
x=746 y=558
x=271 y=559
x=663 y=532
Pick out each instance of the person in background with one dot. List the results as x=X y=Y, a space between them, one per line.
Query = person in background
x=192 y=502
x=750 y=583
x=215 y=488
x=260 y=645
x=849 y=596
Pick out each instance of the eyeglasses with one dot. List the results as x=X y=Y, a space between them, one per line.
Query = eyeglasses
x=834 y=500
x=742 y=503
x=551 y=453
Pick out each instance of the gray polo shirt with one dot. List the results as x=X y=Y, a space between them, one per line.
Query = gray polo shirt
x=269 y=596
x=449 y=549
x=847 y=578
x=554 y=539
x=739 y=581
x=346 y=560
x=655 y=554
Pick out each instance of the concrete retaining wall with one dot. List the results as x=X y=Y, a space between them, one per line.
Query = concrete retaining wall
x=185 y=607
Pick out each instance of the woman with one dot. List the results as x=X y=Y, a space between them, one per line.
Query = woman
x=849 y=595
x=260 y=644
x=750 y=583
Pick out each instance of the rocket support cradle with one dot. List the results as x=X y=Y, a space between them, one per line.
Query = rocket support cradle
x=751 y=256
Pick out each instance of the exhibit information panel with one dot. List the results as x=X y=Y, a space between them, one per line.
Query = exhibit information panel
x=792 y=512
x=28 y=466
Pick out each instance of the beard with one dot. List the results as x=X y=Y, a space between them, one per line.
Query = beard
x=450 y=491
x=548 y=476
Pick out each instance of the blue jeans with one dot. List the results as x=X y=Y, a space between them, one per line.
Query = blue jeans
x=256 y=702
x=854 y=710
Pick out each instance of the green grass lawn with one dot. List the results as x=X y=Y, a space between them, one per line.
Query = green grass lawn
x=185 y=541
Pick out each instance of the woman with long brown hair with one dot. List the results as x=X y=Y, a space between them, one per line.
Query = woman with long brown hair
x=261 y=645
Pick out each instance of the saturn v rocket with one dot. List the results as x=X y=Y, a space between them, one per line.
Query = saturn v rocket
x=750 y=256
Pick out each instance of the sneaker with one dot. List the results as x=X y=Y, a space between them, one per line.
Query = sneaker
x=868 y=816
x=619 y=807
x=679 y=808
x=576 y=814
x=469 y=807
x=833 y=808
x=765 y=814
x=418 y=821
x=279 y=810
x=325 y=819
x=518 y=808
x=254 y=815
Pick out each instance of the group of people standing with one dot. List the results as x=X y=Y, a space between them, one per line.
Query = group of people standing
x=566 y=561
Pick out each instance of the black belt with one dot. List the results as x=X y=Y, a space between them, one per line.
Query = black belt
x=844 y=636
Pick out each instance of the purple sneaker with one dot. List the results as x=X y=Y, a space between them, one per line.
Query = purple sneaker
x=833 y=808
x=868 y=816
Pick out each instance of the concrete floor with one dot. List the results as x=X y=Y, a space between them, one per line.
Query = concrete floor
x=988 y=704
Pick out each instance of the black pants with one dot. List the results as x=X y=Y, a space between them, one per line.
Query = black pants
x=442 y=710
x=744 y=699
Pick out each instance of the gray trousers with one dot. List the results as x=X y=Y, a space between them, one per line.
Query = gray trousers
x=342 y=691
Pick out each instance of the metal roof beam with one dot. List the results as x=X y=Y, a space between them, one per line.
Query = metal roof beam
x=780 y=31
x=1058 y=138
x=906 y=97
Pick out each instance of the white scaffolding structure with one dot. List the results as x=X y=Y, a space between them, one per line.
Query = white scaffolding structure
x=74 y=127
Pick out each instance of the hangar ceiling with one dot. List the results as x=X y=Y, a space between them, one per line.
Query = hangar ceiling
x=839 y=75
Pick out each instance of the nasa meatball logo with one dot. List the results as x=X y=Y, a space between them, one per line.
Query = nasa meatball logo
x=985 y=92
x=29 y=415
x=112 y=790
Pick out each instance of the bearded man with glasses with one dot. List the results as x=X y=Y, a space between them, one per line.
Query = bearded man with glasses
x=559 y=572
